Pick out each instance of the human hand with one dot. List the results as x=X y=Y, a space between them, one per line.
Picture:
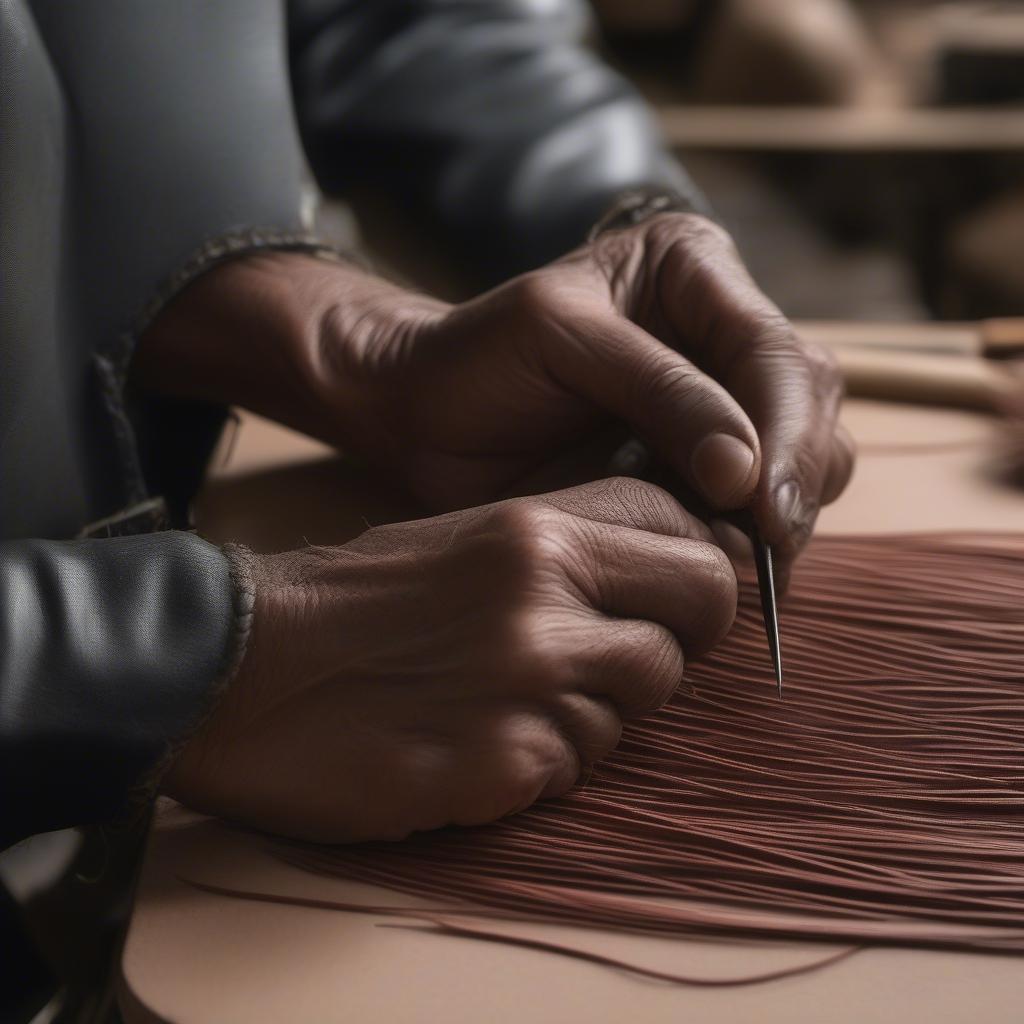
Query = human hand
x=456 y=669
x=656 y=329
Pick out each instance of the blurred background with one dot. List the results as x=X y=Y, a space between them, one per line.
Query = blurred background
x=867 y=155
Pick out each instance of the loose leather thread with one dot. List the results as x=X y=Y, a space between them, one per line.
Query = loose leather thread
x=433 y=921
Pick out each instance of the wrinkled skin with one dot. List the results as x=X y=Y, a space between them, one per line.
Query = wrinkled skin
x=455 y=669
x=658 y=327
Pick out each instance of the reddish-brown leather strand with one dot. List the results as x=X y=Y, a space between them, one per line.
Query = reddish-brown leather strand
x=882 y=802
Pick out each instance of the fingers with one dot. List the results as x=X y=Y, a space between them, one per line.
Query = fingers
x=687 y=586
x=842 y=456
x=628 y=549
x=626 y=501
x=646 y=599
x=636 y=665
x=691 y=420
x=595 y=592
x=591 y=724
x=789 y=389
x=634 y=552
x=793 y=396
x=626 y=669
x=517 y=759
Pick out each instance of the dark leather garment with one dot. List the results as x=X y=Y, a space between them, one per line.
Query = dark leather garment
x=132 y=134
x=495 y=137
x=114 y=642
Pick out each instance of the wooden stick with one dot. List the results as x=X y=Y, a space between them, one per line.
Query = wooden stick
x=962 y=339
x=998 y=338
x=812 y=129
x=1002 y=338
x=926 y=378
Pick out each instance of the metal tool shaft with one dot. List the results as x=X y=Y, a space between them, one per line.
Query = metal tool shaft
x=769 y=605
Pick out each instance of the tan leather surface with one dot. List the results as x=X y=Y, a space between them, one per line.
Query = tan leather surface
x=193 y=957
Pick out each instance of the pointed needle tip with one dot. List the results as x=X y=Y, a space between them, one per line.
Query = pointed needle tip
x=769 y=605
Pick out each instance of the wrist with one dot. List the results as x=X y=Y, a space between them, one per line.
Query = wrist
x=293 y=337
x=359 y=329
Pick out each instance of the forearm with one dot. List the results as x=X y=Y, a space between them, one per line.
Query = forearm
x=289 y=336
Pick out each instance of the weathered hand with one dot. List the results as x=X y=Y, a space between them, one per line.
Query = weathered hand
x=456 y=669
x=658 y=327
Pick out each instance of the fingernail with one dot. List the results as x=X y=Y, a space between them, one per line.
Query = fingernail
x=796 y=514
x=722 y=466
x=787 y=501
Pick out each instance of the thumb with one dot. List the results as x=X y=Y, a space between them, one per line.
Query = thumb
x=687 y=417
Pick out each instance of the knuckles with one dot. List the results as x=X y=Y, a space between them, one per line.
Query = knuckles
x=524 y=540
x=534 y=759
x=821 y=362
x=537 y=295
x=635 y=503
x=688 y=244
x=527 y=759
x=647 y=666
x=664 y=671
x=692 y=233
x=826 y=375
x=547 y=646
x=719 y=593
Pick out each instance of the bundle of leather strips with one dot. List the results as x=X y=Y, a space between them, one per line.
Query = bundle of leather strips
x=882 y=802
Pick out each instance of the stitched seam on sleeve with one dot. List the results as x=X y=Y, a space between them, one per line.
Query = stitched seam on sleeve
x=220 y=250
x=240 y=559
x=243 y=587
x=111 y=361
x=637 y=205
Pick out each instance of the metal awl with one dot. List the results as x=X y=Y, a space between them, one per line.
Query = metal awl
x=769 y=605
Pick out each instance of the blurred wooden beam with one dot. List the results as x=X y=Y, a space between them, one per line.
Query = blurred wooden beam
x=927 y=363
x=1000 y=338
x=823 y=129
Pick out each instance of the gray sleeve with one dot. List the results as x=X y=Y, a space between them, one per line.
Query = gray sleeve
x=180 y=149
x=487 y=128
